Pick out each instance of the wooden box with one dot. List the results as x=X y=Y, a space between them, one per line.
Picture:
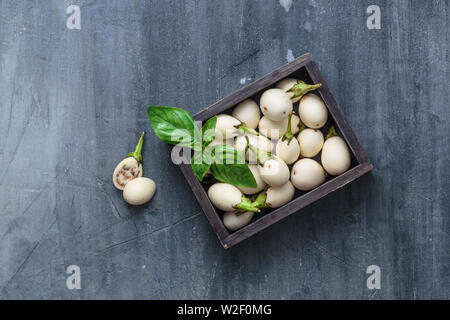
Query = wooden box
x=303 y=68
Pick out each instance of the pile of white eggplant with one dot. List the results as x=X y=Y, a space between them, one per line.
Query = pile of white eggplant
x=279 y=146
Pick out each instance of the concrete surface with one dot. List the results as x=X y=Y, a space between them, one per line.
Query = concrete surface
x=73 y=103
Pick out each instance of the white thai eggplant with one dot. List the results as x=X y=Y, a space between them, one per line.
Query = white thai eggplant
x=275 y=129
x=130 y=167
x=139 y=191
x=260 y=184
x=307 y=174
x=275 y=197
x=310 y=141
x=335 y=156
x=275 y=104
x=247 y=112
x=228 y=127
x=287 y=148
x=234 y=220
x=288 y=151
x=227 y=197
x=279 y=196
x=272 y=169
x=287 y=84
x=312 y=111
x=260 y=142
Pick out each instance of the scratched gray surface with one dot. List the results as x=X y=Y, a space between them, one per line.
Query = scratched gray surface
x=73 y=102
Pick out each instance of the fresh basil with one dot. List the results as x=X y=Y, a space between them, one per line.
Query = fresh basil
x=172 y=125
x=201 y=161
x=225 y=154
x=177 y=127
x=208 y=131
x=229 y=166
x=200 y=164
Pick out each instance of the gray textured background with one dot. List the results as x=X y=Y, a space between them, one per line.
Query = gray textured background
x=73 y=102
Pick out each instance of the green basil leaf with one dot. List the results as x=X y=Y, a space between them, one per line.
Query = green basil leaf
x=200 y=164
x=229 y=166
x=198 y=143
x=225 y=154
x=172 y=125
x=208 y=131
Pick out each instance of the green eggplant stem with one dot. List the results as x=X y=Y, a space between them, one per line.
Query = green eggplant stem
x=260 y=201
x=242 y=128
x=301 y=126
x=332 y=132
x=247 y=145
x=261 y=156
x=288 y=135
x=302 y=88
x=137 y=153
x=246 y=205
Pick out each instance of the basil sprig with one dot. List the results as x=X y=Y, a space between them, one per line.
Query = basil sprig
x=201 y=161
x=172 y=125
x=177 y=127
x=200 y=164
x=208 y=131
x=229 y=166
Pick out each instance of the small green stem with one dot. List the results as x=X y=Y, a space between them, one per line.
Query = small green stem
x=246 y=205
x=301 y=126
x=242 y=128
x=302 y=88
x=261 y=156
x=260 y=201
x=288 y=135
x=137 y=153
x=332 y=132
x=247 y=145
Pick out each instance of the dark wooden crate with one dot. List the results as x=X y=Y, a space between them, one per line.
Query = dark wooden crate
x=303 y=68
